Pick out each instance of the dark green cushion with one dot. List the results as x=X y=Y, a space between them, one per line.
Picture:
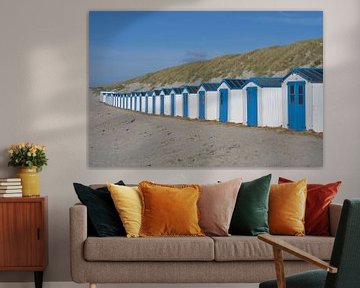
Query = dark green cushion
x=103 y=218
x=309 y=279
x=250 y=216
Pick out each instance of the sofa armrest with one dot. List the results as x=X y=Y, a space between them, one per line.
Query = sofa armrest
x=78 y=235
x=334 y=217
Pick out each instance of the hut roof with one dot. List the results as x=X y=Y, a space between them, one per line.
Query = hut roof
x=166 y=91
x=157 y=92
x=235 y=83
x=266 y=81
x=311 y=74
x=177 y=90
x=210 y=86
x=191 y=89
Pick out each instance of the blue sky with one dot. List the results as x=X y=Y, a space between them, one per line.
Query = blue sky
x=126 y=44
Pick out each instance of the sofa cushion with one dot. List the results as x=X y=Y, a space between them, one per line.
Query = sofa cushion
x=244 y=248
x=149 y=249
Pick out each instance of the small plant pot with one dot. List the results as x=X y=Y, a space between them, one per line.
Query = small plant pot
x=30 y=181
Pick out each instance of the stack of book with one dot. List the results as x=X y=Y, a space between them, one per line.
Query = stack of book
x=10 y=187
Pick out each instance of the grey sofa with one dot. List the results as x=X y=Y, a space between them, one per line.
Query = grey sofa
x=234 y=259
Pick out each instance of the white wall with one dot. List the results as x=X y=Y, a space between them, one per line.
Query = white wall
x=43 y=80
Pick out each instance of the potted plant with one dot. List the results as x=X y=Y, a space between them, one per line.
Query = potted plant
x=30 y=158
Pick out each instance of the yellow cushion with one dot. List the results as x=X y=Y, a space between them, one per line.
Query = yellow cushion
x=287 y=204
x=127 y=201
x=169 y=210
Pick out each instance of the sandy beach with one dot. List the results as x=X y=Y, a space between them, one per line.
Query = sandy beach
x=122 y=138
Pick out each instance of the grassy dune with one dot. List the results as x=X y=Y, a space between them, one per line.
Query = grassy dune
x=276 y=60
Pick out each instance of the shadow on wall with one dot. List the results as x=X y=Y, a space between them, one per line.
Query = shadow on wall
x=44 y=54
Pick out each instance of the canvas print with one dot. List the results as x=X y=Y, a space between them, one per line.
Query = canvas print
x=205 y=89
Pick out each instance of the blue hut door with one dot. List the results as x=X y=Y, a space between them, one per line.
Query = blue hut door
x=140 y=104
x=185 y=105
x=162 y=104
x=202 y=104
x=223 y=105
x=172 y=104
x=296 y=105
x=154 y=105
x=252 y=115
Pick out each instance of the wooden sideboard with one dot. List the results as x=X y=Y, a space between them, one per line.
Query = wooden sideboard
x=23 y=235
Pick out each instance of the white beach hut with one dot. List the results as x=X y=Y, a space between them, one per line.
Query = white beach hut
x=208 y=101
x=231 y=100
x=156 y=101
x=102 y=96
x=122 y=101
x=142 y=101
x=149 y=102
x=303 y=97
x=190 y=102
x=263 y=102
x=176 y=102
x=165 y=102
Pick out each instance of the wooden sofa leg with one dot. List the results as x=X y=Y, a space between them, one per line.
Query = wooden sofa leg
x=92 y=285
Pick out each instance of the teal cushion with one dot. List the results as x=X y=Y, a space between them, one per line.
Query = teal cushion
x=250 y=216
x=309 y=279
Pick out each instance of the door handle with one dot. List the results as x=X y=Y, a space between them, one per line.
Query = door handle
x=38 y=234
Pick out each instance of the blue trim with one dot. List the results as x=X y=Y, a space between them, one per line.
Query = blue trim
x=296 y=97
x=223 y=109
x=162 y=104
x=185 y=105
x=172 y=104
x=252 y=105
x=154 y=105
x=201 y=104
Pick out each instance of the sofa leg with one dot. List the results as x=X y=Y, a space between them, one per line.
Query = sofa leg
x=92 y=285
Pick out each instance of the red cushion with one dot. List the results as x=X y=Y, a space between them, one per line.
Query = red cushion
x=319 y=197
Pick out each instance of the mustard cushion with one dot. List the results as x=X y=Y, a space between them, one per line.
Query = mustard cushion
x=287 y=204
x=127 y=201
x=169 y=210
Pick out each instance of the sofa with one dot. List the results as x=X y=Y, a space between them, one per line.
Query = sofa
x=233 y=259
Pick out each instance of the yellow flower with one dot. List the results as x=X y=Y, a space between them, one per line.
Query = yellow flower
x=28 y=154
x=11 y=151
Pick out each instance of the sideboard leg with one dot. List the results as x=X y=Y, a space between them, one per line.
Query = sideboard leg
x=38 y=279
x=92 y=285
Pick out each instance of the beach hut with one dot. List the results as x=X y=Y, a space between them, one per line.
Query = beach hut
x=263 y=102
x=156 y=101
x=165 y=102
x=102 y=96
x=208 y=101
x=117 y=104
x=133 y=98
x=190 y=102
x=122 y=101
x=231 y=100
x=303 y=96
x=149 y=102
x=176 y=106
x=137 y=101
x=141 y=96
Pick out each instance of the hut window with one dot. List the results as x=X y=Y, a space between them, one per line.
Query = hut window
x=301 y=99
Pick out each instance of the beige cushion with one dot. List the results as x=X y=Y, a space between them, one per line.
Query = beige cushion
x=149 y=249
x=242 y=248
x=216 y=206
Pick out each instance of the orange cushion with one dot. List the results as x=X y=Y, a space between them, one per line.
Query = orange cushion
x=287 y=204
x=318 y=200
x=169 y=210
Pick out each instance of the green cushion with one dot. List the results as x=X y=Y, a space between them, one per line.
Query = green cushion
x=250 y=216
x=309 y=279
